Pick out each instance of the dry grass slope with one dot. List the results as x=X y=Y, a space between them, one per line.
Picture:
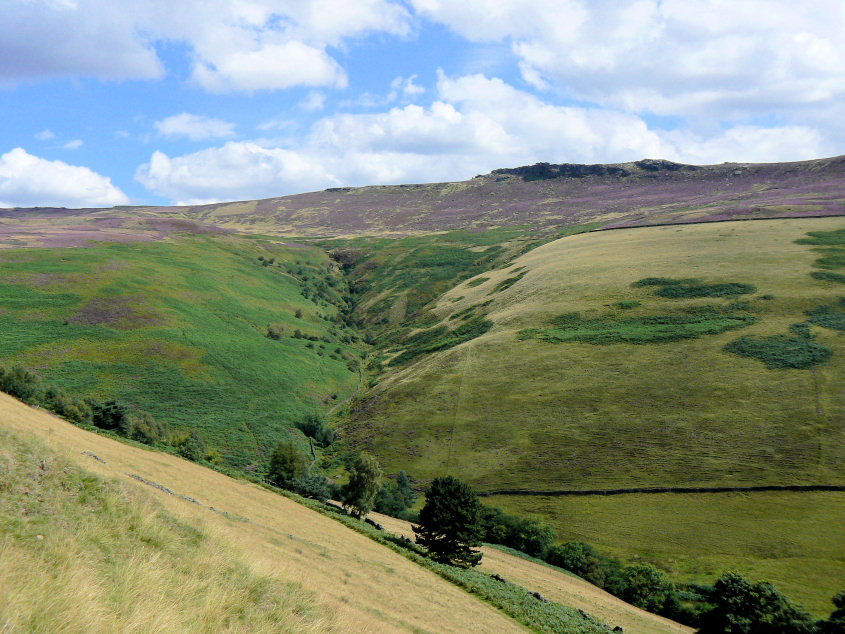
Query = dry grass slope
x=287 y=560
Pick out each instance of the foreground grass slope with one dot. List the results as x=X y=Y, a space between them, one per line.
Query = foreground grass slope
x=260 y=562
x=178 y=328
x=508 y=411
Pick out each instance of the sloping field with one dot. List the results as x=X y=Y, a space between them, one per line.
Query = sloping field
x=507 y=410
x=292 y=569
x=558 y=586
x=615 y=397
x=179 y=328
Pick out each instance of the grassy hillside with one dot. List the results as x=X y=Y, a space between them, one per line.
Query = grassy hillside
x=179 y=328
x=102 y=535
x=624 y=394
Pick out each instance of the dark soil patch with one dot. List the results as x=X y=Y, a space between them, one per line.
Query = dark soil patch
x=116 y=312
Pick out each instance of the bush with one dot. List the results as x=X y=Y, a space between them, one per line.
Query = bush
x=524 y=534
x=781 y=351
x=648 y=588
x=191 y=447
x=287 y=464
x=21 y=383
x=315 y=427
x=147 y=430
x=68 y=407
x=828 y=276
x=628 y=304
x=394 y=498
x=111 y=415
x=311 y=486
x=741 y=607
x=450 y=523
x=275 y=332
x=688 y=291
x=827 y=317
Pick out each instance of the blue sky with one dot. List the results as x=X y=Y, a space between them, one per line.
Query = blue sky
x=160 y=102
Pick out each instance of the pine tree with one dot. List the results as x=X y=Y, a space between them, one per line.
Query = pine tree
x=450 y=523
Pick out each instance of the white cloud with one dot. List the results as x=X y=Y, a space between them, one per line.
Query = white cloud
x=234 y=44
x=234 y=171
x=404 y=87
x=710 y=58
x=195 y=127
x=75 y=144
x=476 y=124
x=315 y=100
x=27 y=180
x=45 y=135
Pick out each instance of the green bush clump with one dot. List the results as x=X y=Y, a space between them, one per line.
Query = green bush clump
x=801 y=329
x=314 y=427
x=441 y=338
x=21 y=383
x=478 y=281
x=824 y=238
x=827 y=317
x=689 y=291
x=781 y=351
x=507 y=283
x=662 y=281
x=832 y=259
x=828 y=276
x=640 y=330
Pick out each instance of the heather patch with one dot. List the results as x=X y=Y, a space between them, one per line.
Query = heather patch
x=781 y=351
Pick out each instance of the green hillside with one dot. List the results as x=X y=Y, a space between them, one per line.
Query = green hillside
x=595 y=376
x=179 y=329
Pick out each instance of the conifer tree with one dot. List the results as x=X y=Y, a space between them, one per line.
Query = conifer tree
x=450 y=523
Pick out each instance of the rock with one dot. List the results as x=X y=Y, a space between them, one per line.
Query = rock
x=374 y=524
x=539 y=597
x=498 y=577
x=619 y=629
x=91 y=454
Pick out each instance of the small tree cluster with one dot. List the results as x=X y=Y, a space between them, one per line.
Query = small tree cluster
x=396 y=498
x=289 y=470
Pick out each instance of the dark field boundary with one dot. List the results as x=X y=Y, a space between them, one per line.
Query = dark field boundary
x=707 y=221
x=757 y=489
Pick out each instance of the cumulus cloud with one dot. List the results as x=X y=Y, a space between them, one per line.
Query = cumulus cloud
x=670 y=57
x=195 y=127
x=235 y=46
x=315 y=100
x=476 y=124
x=27 y=181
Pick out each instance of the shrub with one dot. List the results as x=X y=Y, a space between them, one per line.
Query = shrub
x=274 y=332
x=287 y=464
x=685 y=291
x=315 y=427
x=311 y=486
x=394 y=498
x=828 y=276
x=478 y=281
x=111 y=415
x=744 y=608
x=450 y=523
x=828 y=317
x=73 y=409
x=781 y=351
x=191 y=446
x=662 y=281
x=647 y=587
x=147 y=430
x=21 y=383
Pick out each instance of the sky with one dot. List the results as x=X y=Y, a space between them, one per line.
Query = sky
x=149 y=102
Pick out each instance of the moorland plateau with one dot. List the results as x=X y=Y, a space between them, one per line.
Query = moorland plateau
x=539 y=329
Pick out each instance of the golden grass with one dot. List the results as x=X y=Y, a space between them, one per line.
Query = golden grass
x=560 y=587
x=361 y=585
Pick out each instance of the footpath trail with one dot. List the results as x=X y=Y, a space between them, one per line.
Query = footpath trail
x=561 y=587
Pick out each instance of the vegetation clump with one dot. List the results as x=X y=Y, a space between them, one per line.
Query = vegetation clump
x=478 y=281
x=441 y=338
x=396 y=498
x=828 y=276
x=827 y=317
x=507 y=283
x=689 y=291
x=640 y=330
x=781 y=351
x=628 y=304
